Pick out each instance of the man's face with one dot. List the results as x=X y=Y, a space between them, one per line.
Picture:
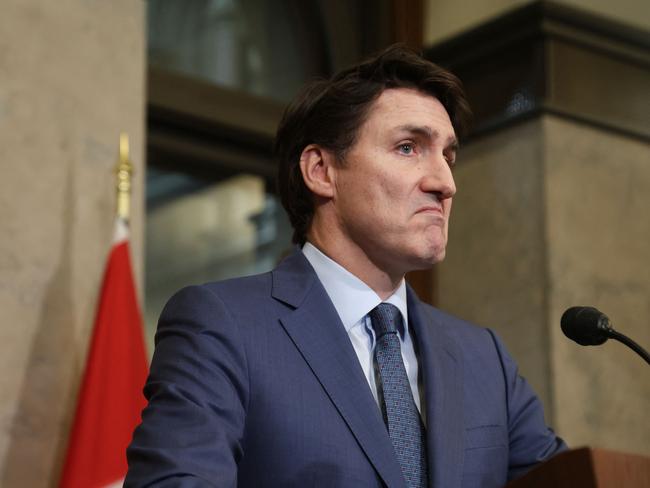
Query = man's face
x=393 y=191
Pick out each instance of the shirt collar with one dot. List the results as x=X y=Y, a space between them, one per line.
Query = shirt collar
x=352 y=298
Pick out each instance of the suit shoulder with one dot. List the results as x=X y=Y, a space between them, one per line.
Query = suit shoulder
x=242 y=288
x=472 y=339
x=219 y=296
x=452 y=324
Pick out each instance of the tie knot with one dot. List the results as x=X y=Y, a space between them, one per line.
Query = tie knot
x=386 y=318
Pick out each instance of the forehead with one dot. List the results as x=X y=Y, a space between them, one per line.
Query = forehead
x=397 y=107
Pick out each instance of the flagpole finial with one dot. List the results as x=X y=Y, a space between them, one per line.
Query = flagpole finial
x=124 y=170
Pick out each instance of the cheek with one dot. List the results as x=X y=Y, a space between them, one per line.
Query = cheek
x=378 y=192
x=396 y=191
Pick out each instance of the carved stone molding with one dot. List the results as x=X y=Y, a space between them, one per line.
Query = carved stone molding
x=550 y=58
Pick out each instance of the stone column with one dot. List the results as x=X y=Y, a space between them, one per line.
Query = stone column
x=553 y=209
x=72 y=79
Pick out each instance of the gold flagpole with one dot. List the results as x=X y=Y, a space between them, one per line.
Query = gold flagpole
x=124 y=170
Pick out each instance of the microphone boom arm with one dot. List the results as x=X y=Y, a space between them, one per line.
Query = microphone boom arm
x=629 y=343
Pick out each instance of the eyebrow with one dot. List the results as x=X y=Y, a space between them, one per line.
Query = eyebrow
x=427 y=131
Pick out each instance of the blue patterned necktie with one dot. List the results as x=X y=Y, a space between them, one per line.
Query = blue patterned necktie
x=398 y=407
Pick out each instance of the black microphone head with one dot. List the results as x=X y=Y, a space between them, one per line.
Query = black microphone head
x=585 y=325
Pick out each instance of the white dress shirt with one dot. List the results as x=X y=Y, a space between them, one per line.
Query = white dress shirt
x=353 y=300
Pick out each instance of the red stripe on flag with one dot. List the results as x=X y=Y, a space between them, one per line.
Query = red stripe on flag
x=110 y=399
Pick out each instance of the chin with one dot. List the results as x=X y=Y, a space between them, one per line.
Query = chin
x=427 y=260
x=435 y=251
x=433 y=247
x=437 y=257
x=440 y=255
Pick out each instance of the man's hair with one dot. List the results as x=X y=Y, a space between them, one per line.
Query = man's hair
x=329 y=113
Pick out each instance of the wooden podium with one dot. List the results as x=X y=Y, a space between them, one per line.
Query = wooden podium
x=588 y=468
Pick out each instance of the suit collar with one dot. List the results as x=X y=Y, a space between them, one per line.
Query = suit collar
x=316 y=329
x=352 y=298
x=441 y=368
x=293 y=279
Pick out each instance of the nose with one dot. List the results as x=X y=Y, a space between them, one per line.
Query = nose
x=439 y=179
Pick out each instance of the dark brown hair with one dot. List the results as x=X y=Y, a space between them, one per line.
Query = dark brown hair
x=330 y=112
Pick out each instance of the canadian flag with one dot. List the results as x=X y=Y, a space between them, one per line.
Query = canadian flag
x=110 y=398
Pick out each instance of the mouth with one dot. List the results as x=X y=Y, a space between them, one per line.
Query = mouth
x=431 y=209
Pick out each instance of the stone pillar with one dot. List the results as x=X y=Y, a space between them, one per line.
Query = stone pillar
x=552 y=209
x=597 y=204
x=72 y=78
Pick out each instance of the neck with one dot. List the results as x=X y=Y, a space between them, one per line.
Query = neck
x=355 y=260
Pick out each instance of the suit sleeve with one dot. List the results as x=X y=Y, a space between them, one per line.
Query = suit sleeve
x=531 y=441
x=191 y=429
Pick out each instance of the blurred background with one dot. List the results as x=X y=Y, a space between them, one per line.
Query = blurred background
x=553 y=180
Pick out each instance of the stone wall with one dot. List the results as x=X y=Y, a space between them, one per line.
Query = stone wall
x=597 y=233
x=72 y=78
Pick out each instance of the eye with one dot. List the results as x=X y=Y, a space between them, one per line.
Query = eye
x=406 y=148
x=450 y=157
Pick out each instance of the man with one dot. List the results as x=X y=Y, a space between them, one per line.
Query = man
x=328 y=371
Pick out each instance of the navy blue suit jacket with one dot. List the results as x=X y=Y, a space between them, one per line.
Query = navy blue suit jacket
x=254 y=382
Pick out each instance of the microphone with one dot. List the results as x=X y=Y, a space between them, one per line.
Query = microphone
x=588 y=326
x=585 y=325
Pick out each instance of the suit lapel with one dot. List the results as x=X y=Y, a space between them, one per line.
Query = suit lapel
x=442 y=374
x=316 y=329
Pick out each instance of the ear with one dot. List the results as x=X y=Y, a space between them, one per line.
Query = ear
x=317 y=167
